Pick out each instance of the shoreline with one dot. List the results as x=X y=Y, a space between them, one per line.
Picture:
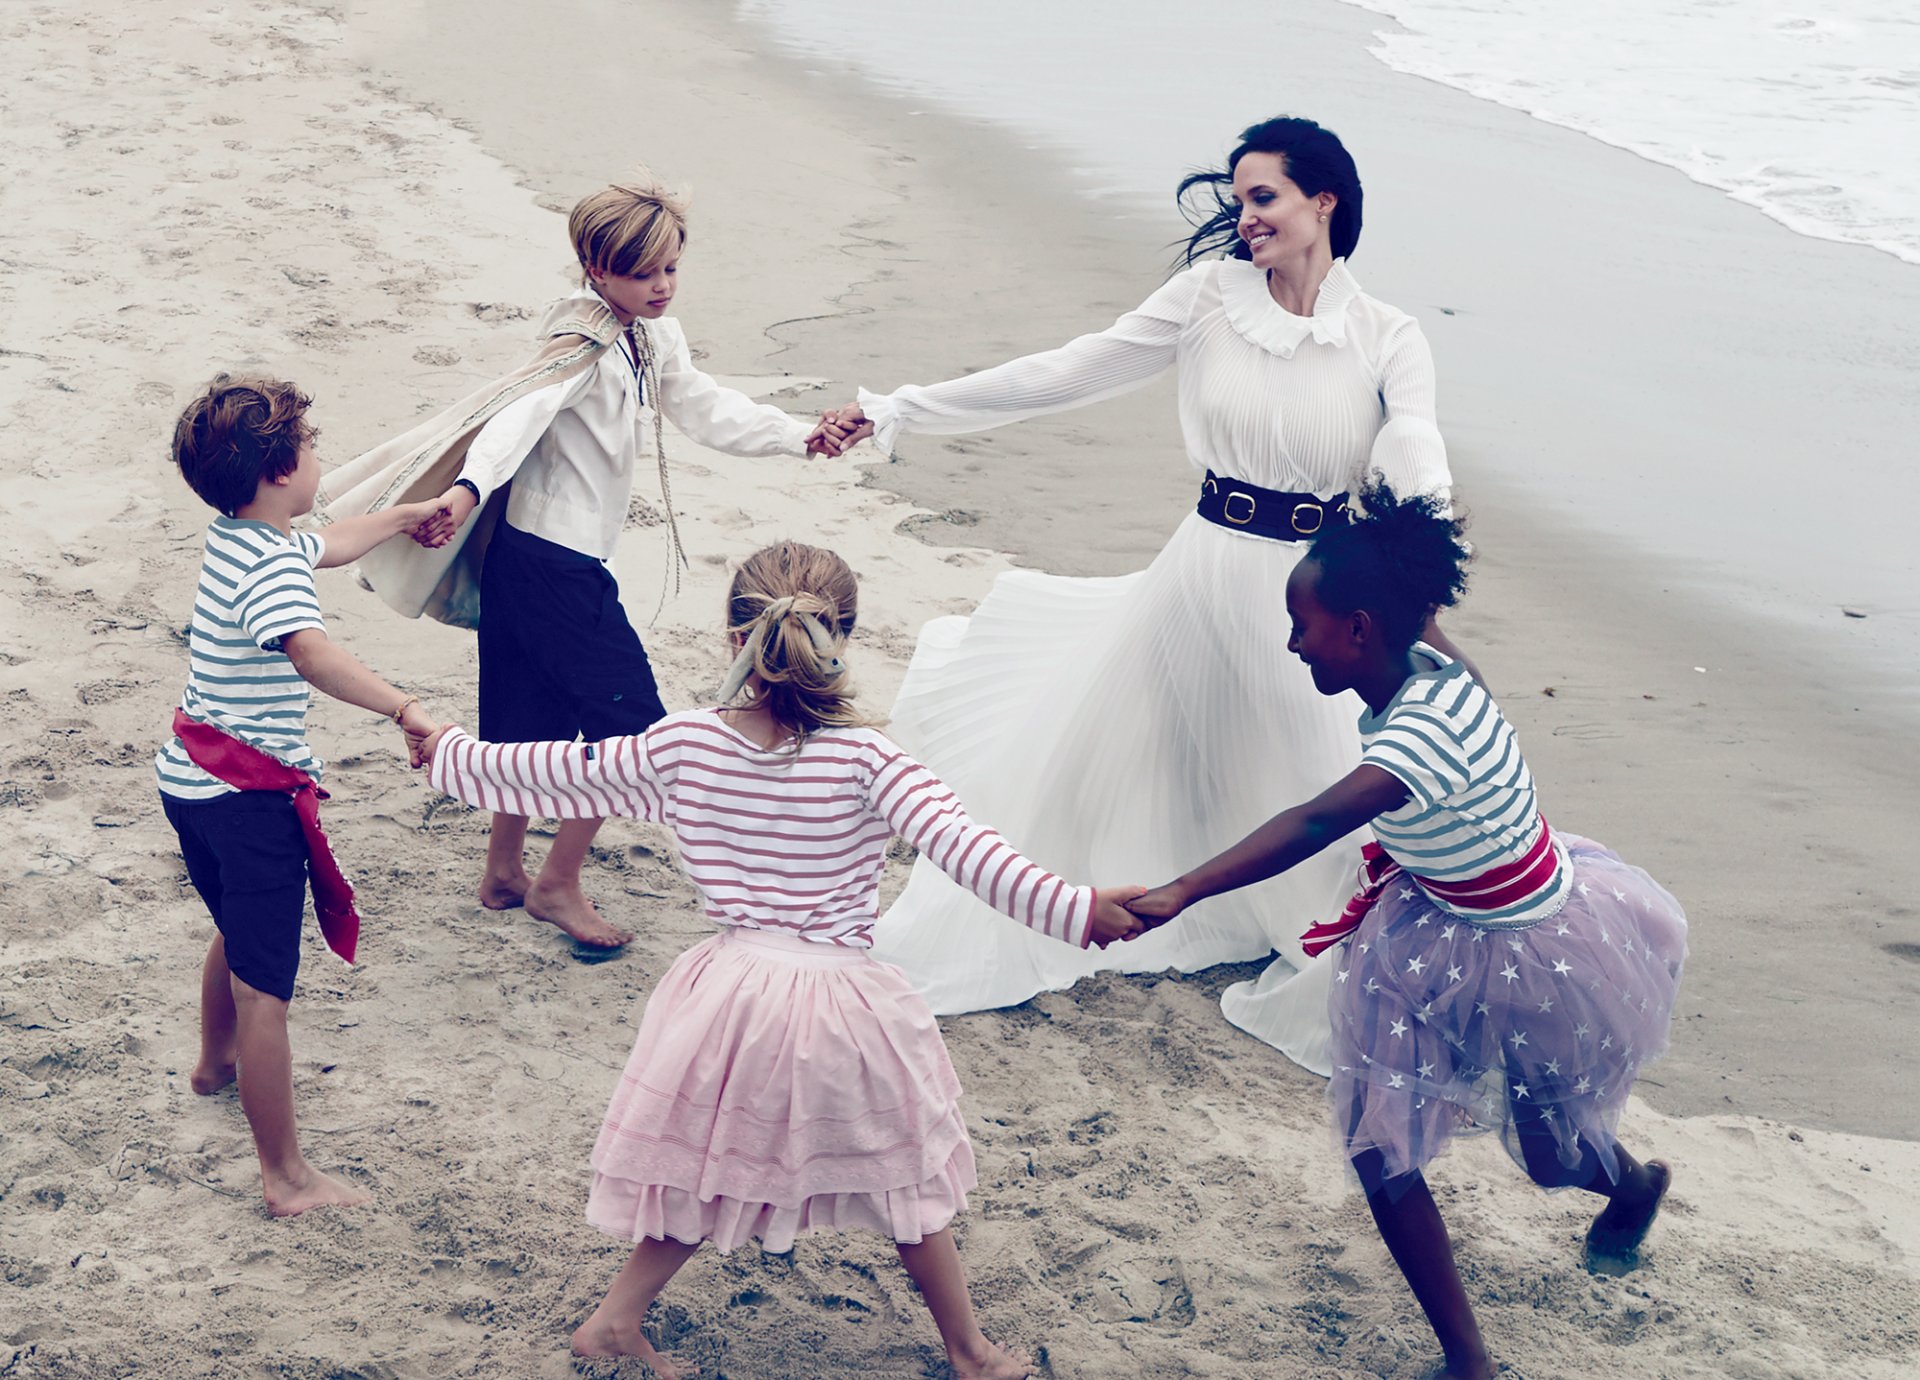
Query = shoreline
x=1722 y=762
x=1157 y=1196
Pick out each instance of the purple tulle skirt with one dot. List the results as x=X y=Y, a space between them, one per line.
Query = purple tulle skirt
x=1441 y=1028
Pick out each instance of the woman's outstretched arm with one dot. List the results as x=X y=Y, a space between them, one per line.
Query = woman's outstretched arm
x=1130 y=353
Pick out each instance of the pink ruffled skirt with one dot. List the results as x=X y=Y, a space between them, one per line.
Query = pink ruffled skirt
x=780 y=1087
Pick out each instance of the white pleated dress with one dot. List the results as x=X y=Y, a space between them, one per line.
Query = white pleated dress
x=1123 y=729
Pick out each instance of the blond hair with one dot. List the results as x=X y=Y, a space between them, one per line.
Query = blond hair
x=799 y=678
x=629 y=228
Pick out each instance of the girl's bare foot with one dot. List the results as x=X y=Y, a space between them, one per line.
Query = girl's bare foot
x=292 y=1194
x=568 y=908
x=505 y=893
x=990 y=1362
x=209 y=1076
x=1623 y=1224
x=604 y=1335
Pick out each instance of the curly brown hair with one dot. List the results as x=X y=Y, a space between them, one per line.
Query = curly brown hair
x=238 y=433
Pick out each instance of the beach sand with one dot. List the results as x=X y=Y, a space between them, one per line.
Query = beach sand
x=301 y=190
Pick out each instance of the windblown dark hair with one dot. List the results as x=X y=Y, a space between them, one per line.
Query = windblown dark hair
x=1402 y=561
x=1316 y=161
x=239 y=431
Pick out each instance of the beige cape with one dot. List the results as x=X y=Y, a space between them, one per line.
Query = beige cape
x=445 y=584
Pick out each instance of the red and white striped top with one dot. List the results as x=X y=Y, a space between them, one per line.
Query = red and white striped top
x=775 y=839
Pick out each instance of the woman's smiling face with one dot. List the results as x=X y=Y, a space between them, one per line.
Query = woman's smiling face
x=1278 y=221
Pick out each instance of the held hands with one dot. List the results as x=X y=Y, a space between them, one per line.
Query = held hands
x=420 y=753
x=839 y=431
x=1154 y=908
x=441 y=517
x=1112 y=921
x=422 y=733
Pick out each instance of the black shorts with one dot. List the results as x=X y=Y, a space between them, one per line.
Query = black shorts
x=558 y=658
x=247 y=857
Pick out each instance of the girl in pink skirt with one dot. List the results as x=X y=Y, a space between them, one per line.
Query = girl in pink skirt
x=784 y=1081
x=1493 y=974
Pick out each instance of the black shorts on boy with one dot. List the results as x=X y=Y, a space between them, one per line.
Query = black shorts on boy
x=559 y=658
x=247 y=857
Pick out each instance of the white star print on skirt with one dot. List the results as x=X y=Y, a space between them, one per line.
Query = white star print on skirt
x=1442 y=1029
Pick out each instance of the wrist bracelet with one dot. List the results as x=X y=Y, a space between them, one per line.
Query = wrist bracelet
x=405 y=704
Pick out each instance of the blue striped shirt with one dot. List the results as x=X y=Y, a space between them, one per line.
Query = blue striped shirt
x=256 y=588
x=1472 y=805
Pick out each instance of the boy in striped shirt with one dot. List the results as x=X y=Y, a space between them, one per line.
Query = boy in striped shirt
x=256 y=644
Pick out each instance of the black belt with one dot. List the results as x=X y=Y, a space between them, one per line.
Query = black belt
x=1243 y=507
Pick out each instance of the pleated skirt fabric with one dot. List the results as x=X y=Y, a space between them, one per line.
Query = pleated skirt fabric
x=779 y=1087
x=1121 y=730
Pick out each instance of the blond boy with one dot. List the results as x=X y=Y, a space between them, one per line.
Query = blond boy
x=559 y=658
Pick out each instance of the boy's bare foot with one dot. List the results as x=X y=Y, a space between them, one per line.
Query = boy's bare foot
x=603 y=1335
x=991 y=1363
x=1623 y=1224
x=505 y=893
x=208 y=1077
x=569 y=909
x=291 y=1195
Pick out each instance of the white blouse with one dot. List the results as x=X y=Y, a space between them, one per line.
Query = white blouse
x=571 y=449
x=1304 y=404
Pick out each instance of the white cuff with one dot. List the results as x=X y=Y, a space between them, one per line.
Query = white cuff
x=881 y=410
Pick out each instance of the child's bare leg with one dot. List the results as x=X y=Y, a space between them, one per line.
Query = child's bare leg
x=556 y=895
x=217 y=1023
x=505 y=884
x=291 y=1184
x=1633 y=1201
x=934 y=1265
x=1410 y=1224
x=615 y=1329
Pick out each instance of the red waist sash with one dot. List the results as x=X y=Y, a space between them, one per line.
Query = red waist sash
x=246 y=768
x=1495 y=889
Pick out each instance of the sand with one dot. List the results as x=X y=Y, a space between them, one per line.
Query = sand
x=191 y=187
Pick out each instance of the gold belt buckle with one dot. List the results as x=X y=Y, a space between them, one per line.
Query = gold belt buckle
x=1319 y=516
x=1226 y=509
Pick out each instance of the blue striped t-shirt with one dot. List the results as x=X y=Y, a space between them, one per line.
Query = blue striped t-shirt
x=256 y=588
x=1472 y=805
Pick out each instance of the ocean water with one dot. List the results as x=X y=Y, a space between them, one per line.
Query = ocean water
x=1812 y=118
x=1810 y=114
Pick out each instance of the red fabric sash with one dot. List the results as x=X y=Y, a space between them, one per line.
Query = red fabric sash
x=1495 y=889
x=246 y=768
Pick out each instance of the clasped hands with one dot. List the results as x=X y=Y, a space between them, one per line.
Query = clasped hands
x=1126 y=912
x=840 y=429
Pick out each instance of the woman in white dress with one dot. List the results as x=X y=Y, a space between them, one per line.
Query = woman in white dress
x=1125 y=727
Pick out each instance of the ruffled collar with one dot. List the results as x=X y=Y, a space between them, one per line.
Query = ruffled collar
x=1251 y=310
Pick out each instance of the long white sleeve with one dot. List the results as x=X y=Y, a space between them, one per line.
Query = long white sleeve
x=1137 y=348
x=551 y=780
x=1409 y=452
x=506 y=441
x=920 y=808
x=720 y=418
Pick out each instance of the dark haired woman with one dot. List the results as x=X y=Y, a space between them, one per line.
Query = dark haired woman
x=1493 y=974
x=1114 y=726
